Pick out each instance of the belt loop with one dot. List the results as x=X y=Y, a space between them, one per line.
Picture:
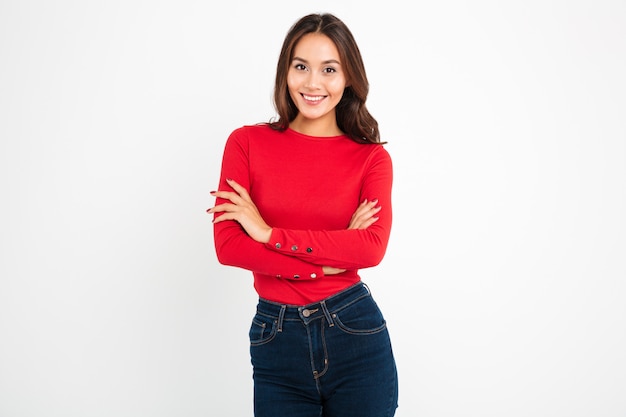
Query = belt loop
x=281 y=316
x=327 y=313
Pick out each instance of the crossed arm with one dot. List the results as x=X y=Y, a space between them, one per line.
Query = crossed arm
x=240 y=208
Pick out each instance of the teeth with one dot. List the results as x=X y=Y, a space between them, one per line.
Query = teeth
x=311 y=98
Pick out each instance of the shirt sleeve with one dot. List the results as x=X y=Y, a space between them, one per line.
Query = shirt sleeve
x=233 y=246
x=346 y=249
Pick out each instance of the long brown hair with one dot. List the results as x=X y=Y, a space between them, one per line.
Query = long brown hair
x=353 y=118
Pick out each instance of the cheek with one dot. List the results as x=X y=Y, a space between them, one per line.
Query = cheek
x=337 y=87
x=336 y=84
x=292 y=87
x=293 y=81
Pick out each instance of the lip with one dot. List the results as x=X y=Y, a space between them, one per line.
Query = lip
x=312 y=99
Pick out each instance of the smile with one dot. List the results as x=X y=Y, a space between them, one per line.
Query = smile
x=313 y=98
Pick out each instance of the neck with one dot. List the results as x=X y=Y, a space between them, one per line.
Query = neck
x=317 y=127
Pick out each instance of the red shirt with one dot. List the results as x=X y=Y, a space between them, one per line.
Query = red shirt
x=306 y=188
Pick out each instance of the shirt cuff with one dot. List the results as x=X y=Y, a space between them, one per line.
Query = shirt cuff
x=280 y=243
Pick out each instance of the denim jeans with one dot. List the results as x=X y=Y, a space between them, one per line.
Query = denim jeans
x=332 y=358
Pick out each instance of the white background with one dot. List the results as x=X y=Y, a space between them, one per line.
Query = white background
x=504 y=284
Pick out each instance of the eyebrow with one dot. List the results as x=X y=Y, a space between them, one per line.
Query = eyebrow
x=328 y=61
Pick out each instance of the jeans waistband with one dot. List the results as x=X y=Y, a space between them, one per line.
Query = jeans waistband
x=313 y=311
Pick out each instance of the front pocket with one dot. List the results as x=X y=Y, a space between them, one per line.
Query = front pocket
x=361 y=318
x=262 y=329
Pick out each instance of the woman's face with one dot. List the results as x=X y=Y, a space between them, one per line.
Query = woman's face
x=316 y=80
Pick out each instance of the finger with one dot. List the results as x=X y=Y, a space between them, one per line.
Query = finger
x=366 y=205
x=367 y=223
x=362 y=219
x=220 y=208
x=363 y=224
x=227 y=195
x=224 y=217
x=366 y=213
x=360 y=209
x=239 y=189
x=233 y=197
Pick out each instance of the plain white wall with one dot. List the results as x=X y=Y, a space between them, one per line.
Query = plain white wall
x=505 y=278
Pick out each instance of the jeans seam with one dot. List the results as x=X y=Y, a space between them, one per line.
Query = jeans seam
x=323 y=337
x=327 y=314
x=344 y=306
x=357 y=332
x=281 y=317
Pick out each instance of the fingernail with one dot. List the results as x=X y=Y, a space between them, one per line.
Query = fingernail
x=229 y=179
x=212 y=192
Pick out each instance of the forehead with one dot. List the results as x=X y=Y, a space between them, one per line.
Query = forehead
x=316 y=47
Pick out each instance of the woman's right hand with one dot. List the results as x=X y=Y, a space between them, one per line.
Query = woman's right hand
x=329 y=270
x=363 y=217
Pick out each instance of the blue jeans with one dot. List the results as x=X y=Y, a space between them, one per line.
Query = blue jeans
x=332 y=358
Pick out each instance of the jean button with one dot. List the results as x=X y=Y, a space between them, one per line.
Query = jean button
x=306 y=312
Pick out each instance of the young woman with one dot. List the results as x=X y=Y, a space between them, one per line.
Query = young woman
x=304 y=202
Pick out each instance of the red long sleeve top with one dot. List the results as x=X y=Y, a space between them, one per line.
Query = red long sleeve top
x=307 y=189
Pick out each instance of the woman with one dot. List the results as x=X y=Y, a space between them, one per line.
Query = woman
x=304 y=202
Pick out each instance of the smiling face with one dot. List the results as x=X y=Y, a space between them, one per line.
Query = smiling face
x=316 y=82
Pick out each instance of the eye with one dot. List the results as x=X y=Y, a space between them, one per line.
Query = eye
x=329 y=70
x=300 y=67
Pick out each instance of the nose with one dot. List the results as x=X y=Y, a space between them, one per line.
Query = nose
x=312 y=81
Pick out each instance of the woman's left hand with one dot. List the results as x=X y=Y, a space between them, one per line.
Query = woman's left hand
x=242 y=210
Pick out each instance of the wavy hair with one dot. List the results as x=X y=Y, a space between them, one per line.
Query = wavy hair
x=352 y=115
